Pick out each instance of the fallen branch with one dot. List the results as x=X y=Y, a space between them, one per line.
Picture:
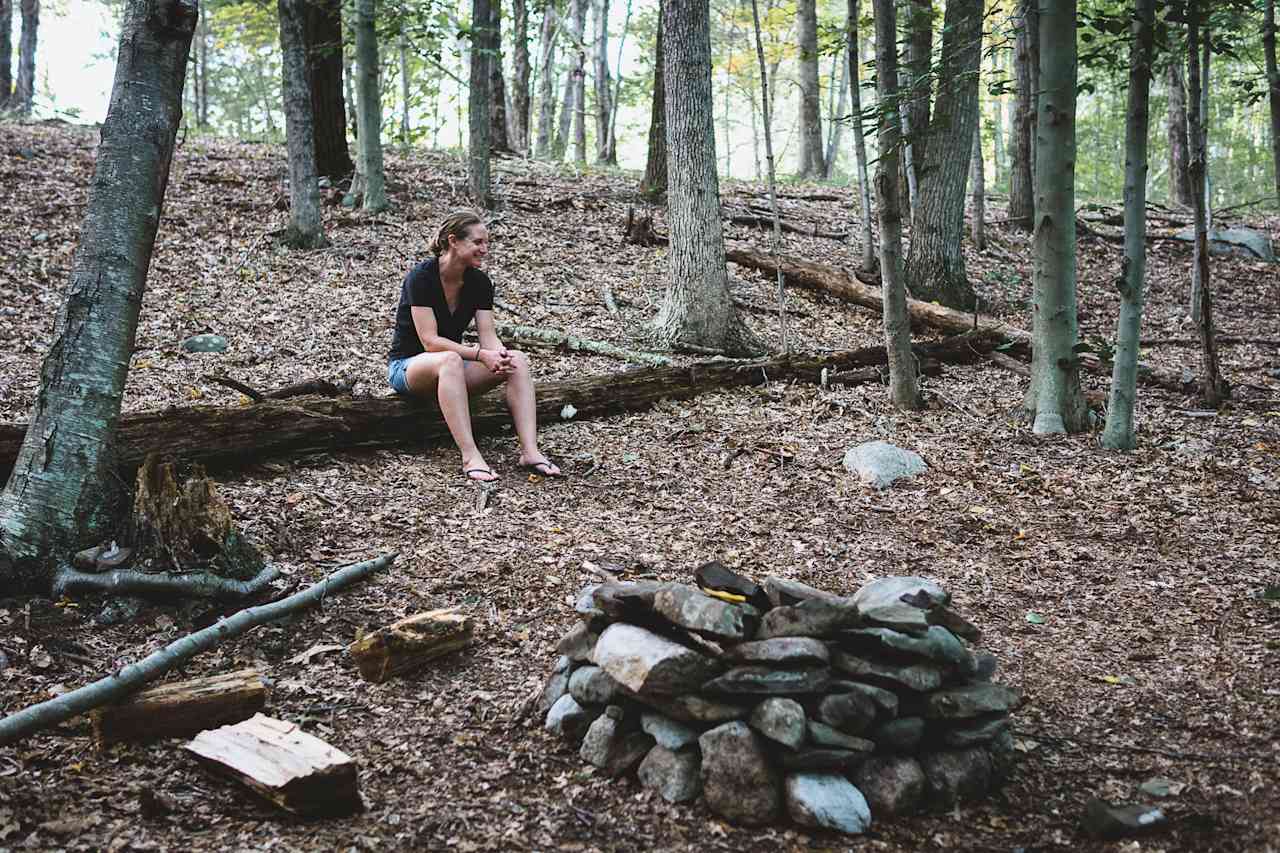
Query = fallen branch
x=754 y=221
x=68 y=581
x=1226 y=341
x=531 y=335
x=17 y=726
x=298 y=389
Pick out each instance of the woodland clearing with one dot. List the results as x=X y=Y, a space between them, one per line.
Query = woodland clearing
x=1153 y=575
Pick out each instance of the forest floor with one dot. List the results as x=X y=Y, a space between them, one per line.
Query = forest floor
x=1154 y=572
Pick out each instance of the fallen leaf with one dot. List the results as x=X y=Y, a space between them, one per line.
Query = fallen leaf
x=318 y=649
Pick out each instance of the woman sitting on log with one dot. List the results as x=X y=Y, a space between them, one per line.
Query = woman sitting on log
x=438 y=299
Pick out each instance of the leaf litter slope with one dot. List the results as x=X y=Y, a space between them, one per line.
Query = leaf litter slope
x=1156 y=655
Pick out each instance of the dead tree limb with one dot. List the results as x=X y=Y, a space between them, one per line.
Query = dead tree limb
x=756 y=221
x=17 y=726
x=69 y=581
x=531 y=335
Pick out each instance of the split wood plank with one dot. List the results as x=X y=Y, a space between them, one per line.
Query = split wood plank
x=410 y=643
x=181 y=709
x=293 y=769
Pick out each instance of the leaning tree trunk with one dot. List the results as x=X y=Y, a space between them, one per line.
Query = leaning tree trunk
x=369 y=98
x=24 y=91
x=935 y=264
x=605 y=153
x=1273 y=86
x=478 y=124
x=653 y=185
x=1201 y=287
x=305 y=230
x=63 y=492
x=546 y=81
x=323 y=29
x=1119 y=434
x=868 y=249
x=904 y=389
x=812 y=164
x=6 y=53
x=697 y=310
x=1022 y=205
x=520 y=75
x=1055 y=400
x=1176 y=131
x=498 y=140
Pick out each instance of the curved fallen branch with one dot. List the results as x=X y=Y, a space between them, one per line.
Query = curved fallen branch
x=68 y=581
x=19 y=725
x=531 y=336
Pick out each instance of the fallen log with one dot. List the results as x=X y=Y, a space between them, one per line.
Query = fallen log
x=234 y=435
x=752 y=220
x=533 y=336
x=410 y=643
x=181 y=709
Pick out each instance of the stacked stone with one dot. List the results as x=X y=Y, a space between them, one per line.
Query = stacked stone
x=783 y=697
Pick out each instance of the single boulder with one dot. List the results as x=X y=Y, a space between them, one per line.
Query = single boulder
x=780 y=720
x=893 y=785
x=785 y=592
x=917 y=592
x=691 y=609
x=624 y=601
x=971 y=700
x=881 y=464
x=675 y=775
x=956 y=776
x=591 y=685
x=975 y=732
x=667 y=732
x=691 y=708
x=1103 y=820
x=1244 y=242
x=886 y=701
x=901 y=735
x=920 y=677
x=647 y=664
x=851 y=713
x=781 y=651
x=814 y=617
x=763 y=681
x=737 y=780
x=557 y=685
x=611 y=747
x=937 y=645
x=205 y=343
x=570 y=720
x=827 y=801
x=579 y=643
x=818 y=759
x=823 y=735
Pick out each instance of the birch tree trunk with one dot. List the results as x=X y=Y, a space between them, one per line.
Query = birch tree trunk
x=904 y=389
x=867 y=252
x=24 y=90
x=812 y=163
x=1119 y=433
x=1176 y=132
x=305 y=230
x=1211 y=388
x=546 y=81
x=478 y=123
x=1273 y=85
x=697 y=310
x=935 y=270
x=603 y=84
x=322 y=25
x=498 y=140
x=653 y=185
x=1055 y=401
x=63 y=492
x=369 y=103
x=520 y=75
x=6 y=53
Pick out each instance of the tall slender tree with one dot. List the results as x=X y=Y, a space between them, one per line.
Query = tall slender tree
x=653 y=185
x=918 y=70
x=498 y=139
x=977 y=169
x=1119 y=433
x=1273 y=85
x=25 y=88
x=1176 y=133
x=520 y=71
x=697 y=310
x=603 y=80
x=305 y=230
x=1202 y=290
x=545 y=144
x=904 y=390
x=6 y=53
x=775 y=242
x=1055 y=400
x=478 y=124
x=812 y=162
x=370 y=181
x=323 y=32
x=64 y=491
x=835 y=112
x=867 y=249
x=1022 y=206
x=571 y=115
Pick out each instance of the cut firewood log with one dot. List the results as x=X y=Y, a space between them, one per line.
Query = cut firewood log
x=181 y=709
x=410 y=643
x=295 y=770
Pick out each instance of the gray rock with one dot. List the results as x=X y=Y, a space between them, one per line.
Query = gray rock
x=955 y=623
x=668 y=732
x=205 y=343
x=893 y=785
x=956 y=776
x=938 y=645
x=984 y=666
x=717 y=577
x=780 y=720
x=646 y=663
x=676 y=776
x=763 y=681
x=1004 y=758
x=591 y=685
x=1103 y=820
x=570 y=720
x=818 y=759
x=781 y=651
x=901 y=735
x=971 y=700
x=586 y=604
x=881 y=464
x=579 y=643
x=738 y=782
x=785 y=592
x=920 y=677
x=823 y=735
x=695 y=611
x=886 y=701
x=691 y=708
x=610 y=747
x=626 y=600
x=1243 y=241
x=976 y=732
x=815 y=617
x=851 y=713
x=919 y=592
x=557 y=685
x=827 y=801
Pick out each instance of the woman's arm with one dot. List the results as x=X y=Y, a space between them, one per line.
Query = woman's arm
x=488 y=331
x=424 y=323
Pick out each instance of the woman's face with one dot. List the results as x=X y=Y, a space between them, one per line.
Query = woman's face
x=473 y=248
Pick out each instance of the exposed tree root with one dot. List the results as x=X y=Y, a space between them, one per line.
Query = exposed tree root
x=68 y=581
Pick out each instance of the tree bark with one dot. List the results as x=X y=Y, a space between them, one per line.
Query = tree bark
x=605 y=153
x=919 y=70
x=478 y=123
x=547 y=80
x=1118 y=433
x=498 y=140
x=1273 y=85
x=1176 y=131
x=904 y=391
x=1055 y=401
x=978 y=214
x=697 y=309
x=653 y=185
x=835 y=123
x=25 y=88
x=323 y=29
x=571 y=117
x=402 y=47
x=775 y=244
x=202 y=70
x=370 y=181
x=1022 y=189
x=6 y=53
x=867 y=249
x=62 y=493
x=1202 y=290
x=305 y=230
x=520 y=75
x=812 y=160
x=580 y=90
x=935 y=268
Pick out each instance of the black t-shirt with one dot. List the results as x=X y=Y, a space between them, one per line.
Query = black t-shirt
x=422 y=289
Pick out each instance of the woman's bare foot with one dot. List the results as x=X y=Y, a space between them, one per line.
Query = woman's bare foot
x=539 y=464
x=477 y=469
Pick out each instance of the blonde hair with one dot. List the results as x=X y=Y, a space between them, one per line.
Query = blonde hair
x=456 y=224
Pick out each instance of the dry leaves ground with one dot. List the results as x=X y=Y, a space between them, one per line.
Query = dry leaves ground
x=1157 y=654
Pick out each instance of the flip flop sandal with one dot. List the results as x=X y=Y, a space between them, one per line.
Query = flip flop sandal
x=492 y=478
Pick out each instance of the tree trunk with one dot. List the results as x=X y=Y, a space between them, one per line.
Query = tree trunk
x=202 y=70
x=775 y=244
x=605 y=153
x=835 y=125
x=653 y=185
x=617 y=87
x=979 y=212
x=935 y=264
x=24 y=90
x=322 y=22
x=571 y=108
x=498 y=140
x=1055 y=400
x=1119 y=433
x=6 y=53
x=697 y=309
x=369 y=97
x=520 y=75
x=478 y=123
x=402 y=47
x=1022 y=188
x=1200 y=108
x=1273 y=85
x=904 y=389
x=1202 y=289
x=305 y=230
x=867 y=252
x=580 y=89
x=1176 y=130
x=812 y=162
x=63 y=493
x=546 y=81
x=919 y=69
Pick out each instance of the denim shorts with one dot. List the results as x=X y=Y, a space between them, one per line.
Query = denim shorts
x=396 y=375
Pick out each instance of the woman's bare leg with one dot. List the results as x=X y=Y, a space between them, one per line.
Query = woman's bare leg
x=445 y=374
x=524 y=413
